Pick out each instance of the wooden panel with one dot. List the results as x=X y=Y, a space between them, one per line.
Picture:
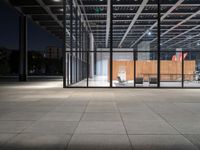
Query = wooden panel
x=129 y=68
x=189 y=68
x=146 y=69
x=169 y=70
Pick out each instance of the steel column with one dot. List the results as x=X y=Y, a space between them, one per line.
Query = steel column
x=23 y=59
x=76 y=42
x=158 y=44
x=134 y=53
x=111 y=41
x=182 y=81
x=64 y=48
x=71 y=38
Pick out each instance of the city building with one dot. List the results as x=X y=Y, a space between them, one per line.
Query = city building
x=53 y=52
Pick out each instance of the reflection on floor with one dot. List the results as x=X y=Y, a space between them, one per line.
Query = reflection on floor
x=53 y=118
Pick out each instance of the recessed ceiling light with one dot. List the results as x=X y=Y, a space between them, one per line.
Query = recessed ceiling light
x=116 y=8
x=57 y=0
x=149 y=33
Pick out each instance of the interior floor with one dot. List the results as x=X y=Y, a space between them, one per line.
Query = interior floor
x=102 y=81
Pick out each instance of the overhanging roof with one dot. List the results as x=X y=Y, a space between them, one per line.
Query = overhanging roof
x=180 y=23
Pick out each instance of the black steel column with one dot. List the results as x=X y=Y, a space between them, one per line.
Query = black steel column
x=23 y=67
x=71 y=38
x=158 y=43
x=134 y=53
x=88 y=64
x=64 y=48
x=82 y=51
x=182 y=53
x=79 y=52
x=83 y=54
x=80 y=37
x=111 y=41
x=76 y=43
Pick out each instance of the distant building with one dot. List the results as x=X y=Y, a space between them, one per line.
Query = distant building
x=53 y=52
x=5 y=53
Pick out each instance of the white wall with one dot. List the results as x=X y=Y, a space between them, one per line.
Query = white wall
x=103 y=60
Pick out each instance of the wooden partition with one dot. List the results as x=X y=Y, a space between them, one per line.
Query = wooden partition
x=169 y=70
x=146 y=69
x=189 y=69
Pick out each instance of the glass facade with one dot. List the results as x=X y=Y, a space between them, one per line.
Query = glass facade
x=149 y=43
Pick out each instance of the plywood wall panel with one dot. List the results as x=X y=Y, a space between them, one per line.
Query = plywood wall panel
x=169 y=70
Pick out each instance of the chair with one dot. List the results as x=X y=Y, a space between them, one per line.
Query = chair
x=139 y=80
x=153 y=80
x=120 y=80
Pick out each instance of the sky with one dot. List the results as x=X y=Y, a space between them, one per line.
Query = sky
x=38 y=38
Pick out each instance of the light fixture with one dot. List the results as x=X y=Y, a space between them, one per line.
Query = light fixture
x=116 y=8
x=149 y=33
x=57 y=0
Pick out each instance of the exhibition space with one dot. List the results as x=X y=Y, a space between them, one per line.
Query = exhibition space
x=140 y=43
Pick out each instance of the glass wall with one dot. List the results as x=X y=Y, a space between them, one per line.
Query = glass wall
x=123 y=69
x=179 y=44
x=146 y=69
x=151 y=43
x=99 y=69
x=77 y=47
x=191 y=68
x=170 y=70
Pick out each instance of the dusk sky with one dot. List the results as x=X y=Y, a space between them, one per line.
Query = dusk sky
x=38 y=38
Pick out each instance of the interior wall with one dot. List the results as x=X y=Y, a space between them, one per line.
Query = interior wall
x=169 y=69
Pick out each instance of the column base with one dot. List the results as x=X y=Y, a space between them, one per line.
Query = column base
x=22 y=78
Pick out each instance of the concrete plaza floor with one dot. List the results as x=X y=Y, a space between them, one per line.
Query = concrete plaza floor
x=44 y=116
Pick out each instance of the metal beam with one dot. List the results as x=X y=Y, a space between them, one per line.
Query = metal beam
x=184 y=40
x=83 y=15
x=108 y=22
x=180 y=23
x=48 y=10
x=19 y=10
x=161 y=19
x=190 y=43
x=181 y=34
x=116 y=5
x=142 y=6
